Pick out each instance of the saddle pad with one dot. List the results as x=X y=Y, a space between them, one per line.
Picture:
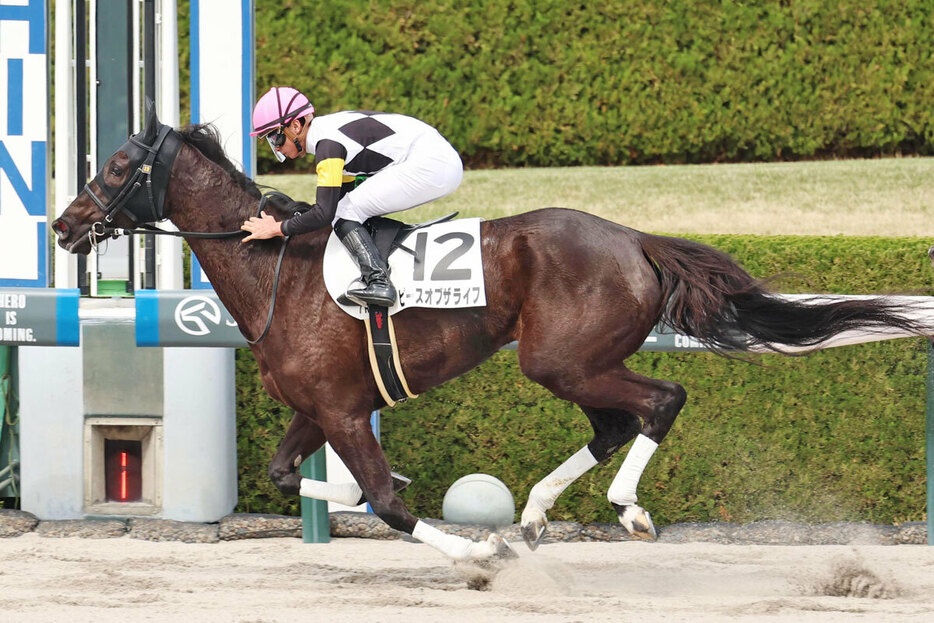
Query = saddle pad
x=446 y=270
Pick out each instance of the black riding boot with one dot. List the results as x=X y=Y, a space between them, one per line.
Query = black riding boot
x=374 y=272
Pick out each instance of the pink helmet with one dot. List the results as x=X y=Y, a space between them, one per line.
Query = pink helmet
x=278 y=107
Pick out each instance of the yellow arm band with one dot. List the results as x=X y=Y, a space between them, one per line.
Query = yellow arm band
x=330 y=172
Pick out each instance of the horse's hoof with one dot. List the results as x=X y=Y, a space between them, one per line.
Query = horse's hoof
x=637 y=521
x=481 y=568
x=492 y=558
x=500 y=548
x=533 y=530
x=399 y=482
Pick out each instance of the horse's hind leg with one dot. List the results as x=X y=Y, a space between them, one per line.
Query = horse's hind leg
x=355 y=444
x=657 y=404
x=612 y=429
x=618 y=390
x=303 y=439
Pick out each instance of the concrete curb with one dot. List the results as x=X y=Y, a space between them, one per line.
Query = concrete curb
x=238 y=526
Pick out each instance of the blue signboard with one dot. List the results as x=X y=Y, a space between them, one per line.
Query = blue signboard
x=184 y=318
x=39 y=317
x=24 y=155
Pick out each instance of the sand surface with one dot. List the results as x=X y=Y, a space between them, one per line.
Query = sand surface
x=124 y=579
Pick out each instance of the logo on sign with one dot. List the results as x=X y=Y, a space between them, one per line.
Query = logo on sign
x=196 y=315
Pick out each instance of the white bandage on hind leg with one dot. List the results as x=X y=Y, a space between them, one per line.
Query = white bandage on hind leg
x=543 y=495
x=346 y=493
x=623 y=489
x=451 y=545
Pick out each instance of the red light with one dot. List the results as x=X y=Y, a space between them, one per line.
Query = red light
x=123 y=470
x=123 y=476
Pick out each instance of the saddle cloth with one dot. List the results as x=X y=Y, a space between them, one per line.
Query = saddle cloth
x=436 y=265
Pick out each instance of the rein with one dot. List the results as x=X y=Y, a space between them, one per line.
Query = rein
x=102 y=230
x=153 y=153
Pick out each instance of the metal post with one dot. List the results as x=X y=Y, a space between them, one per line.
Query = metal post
x=9 y=443
x=130 y=62
x=315 y=525
x=149 y=76
x=929 y=447
x=81 y=118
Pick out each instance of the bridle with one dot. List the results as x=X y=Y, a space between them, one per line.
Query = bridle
x=156 y=160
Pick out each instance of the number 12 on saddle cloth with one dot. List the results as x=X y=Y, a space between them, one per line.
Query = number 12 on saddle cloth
x=440 y=267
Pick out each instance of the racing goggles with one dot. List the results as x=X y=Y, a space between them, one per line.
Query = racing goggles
x=276 y=139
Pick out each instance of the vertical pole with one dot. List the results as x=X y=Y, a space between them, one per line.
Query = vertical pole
x=149 y=76
x=315 y=525
x=130 y=62
x=66 y=264
x=81 y=118
x=929 y=447
x=9 y=428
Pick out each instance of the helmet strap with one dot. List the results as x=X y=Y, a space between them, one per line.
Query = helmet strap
x=287 y=130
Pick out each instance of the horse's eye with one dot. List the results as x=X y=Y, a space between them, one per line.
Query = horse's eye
x=116 y=170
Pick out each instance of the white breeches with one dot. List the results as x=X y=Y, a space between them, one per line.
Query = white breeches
x=430 y=171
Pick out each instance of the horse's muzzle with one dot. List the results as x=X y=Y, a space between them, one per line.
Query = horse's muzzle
x=61 y=229
x=69 y=239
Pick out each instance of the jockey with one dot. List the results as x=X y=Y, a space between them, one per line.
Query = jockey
x=404 y=162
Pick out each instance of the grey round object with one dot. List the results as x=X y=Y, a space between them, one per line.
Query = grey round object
x=479 y=499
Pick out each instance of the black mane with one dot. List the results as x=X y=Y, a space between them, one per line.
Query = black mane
x=205 y=138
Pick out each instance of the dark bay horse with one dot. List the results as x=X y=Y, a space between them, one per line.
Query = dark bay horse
x=579 y=294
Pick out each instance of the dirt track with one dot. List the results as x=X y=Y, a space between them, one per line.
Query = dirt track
x=71 y=579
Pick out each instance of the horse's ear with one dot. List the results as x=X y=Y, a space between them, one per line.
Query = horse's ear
x=152 y=122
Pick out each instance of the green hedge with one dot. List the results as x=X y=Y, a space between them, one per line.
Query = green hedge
x=549 y=82
x=837 y=435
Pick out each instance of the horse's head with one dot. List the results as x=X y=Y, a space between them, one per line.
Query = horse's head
x=129 y=189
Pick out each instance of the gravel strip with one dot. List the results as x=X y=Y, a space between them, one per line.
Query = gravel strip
x=15 y=523
x=239 y=526
x=85 y=529
x=168 y=530
x=361 y=525
x=257 y=526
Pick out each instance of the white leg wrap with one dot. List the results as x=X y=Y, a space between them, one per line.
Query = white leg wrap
x=346 y=493
x=451 y=545
x=543 y=495
x=623 y=489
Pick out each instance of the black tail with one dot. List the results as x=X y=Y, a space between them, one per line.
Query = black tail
x=711 y=298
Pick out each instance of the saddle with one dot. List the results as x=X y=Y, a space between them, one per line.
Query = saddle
x=388 y=234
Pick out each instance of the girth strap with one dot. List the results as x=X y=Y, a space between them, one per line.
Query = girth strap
x=384 y=356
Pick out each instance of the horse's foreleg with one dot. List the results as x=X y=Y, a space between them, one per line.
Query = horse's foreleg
x=301 y=440
x=357 y=447
x=612 y=429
